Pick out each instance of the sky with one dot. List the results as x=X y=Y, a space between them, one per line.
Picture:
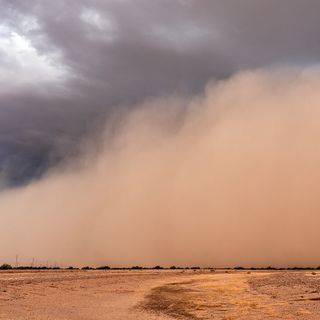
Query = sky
x=174 y=123
x=68 y=66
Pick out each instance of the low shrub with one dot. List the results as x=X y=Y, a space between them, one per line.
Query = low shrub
x=136 y=268
x=5 y=266
x=103 y=268
x=157 y=268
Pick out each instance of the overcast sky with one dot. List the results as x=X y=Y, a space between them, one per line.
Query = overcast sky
x=66 y=65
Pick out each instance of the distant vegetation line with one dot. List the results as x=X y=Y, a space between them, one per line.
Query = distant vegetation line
x=6 y=266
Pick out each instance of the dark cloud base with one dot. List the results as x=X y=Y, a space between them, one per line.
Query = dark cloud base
x=122 y=52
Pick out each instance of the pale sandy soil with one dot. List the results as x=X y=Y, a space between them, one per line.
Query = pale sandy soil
x=159 y=295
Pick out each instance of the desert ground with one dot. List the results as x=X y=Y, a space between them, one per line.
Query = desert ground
x=159 y=294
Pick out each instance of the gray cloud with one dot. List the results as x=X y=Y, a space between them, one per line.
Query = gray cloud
x=67 y=65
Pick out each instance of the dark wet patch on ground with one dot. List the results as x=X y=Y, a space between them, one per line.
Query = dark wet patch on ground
x=172 y=299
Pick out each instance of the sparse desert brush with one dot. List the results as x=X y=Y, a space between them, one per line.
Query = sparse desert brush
x=103 y=268
x=5 y=266
x=158 y=267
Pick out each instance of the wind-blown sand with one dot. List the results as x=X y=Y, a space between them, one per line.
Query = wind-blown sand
x=159 y=295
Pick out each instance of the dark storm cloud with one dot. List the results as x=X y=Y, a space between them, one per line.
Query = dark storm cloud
x=120 y=52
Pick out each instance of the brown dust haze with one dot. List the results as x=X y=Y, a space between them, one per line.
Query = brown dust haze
x=231 y=177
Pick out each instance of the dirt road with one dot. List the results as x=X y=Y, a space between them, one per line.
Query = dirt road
x=152 y=295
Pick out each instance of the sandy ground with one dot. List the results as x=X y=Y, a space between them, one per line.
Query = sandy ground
x=159 y=295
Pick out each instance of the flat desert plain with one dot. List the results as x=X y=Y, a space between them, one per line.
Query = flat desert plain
x=162 y=294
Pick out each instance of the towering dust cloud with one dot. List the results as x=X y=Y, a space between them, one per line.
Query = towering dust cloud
x=228 y=178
